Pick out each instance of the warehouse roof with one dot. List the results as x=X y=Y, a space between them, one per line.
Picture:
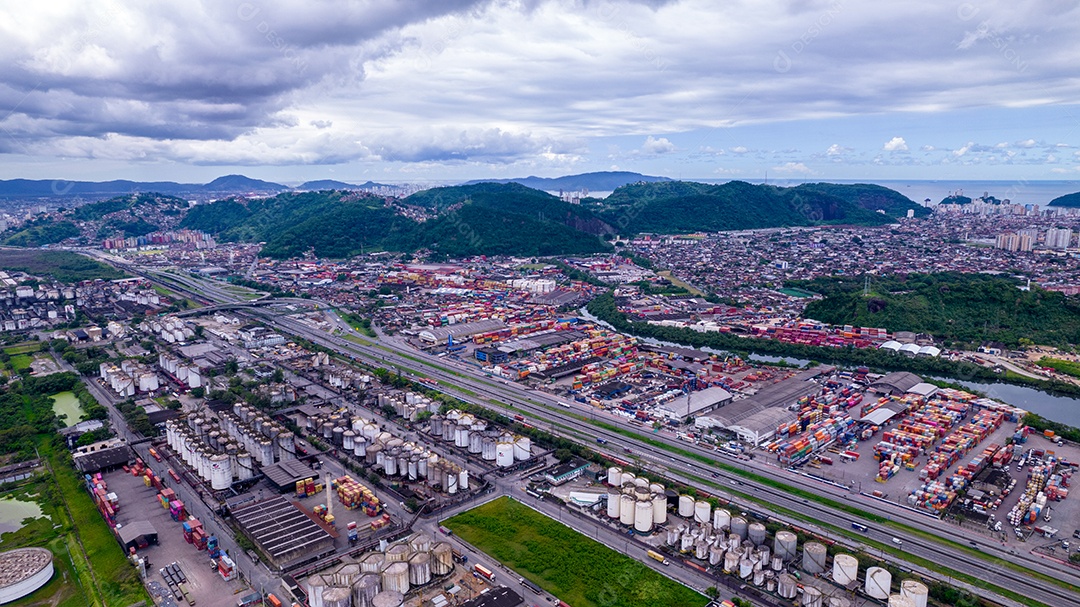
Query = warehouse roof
x=131 y=532
x=896 y=383
x=283 y=530
x=697 y=402
x=465 y=329
x=495 y=597
x=103 y=459
x=285 y=474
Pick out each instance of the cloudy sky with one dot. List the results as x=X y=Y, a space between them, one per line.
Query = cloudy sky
x=417 y=90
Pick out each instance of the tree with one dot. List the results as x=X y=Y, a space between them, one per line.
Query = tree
x=231 y=366
x=712 y=592
x=564 y=455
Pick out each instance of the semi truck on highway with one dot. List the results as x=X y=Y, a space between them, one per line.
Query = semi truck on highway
x=484 y=572
x=656 y=556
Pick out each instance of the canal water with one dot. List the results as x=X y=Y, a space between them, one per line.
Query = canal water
x=13 y=512
x=66 y=403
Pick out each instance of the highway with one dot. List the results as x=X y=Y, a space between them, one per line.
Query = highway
x=546 y=410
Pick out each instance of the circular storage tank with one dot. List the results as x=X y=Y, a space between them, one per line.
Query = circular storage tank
x=337 y=597
x=720 y=518
x=420 y=569
x=614 y=476
x=731 y=562
x=26 y=570
x=659 y=509
x=785 y=544
x=702 y=511
x=643 y=517
x=442 y=559
x=787 y=586
x=626 y=509
x=756 y=532
x=613 y=505
x=373 y=562
x=814 y=555
x=398 y=553
x=878 y=583
x=522 y=448
x=811 y=597
x=916 y=591
x=746 y=567
x=899 y=600
x=395 y=576
x=686 y=506
x=504 y=454
x=388 y=598
x=220 y=472
x=837 y=601
x=627 y=478
x=845 y=569
x=701 y=550
x=716 y=554
x=739 y=527
x=364 y=589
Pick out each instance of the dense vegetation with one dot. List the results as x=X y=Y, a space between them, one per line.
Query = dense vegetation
x=40 y=232
x=1068 y=200
x=135 y=227
x=1067 y=367
x=1041 y=424
x=63 y=266
x=964 y=308
x=682 y=206
x=135 y=202
x=574 y=568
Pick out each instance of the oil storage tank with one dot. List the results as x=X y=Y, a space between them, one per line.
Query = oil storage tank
x=702 y=511
x=899 y=600
x=845 y=569
x=814 y=555
x=365 y=588
x=785 y=544
x=878 y=583
x=395 y=576
x=756 y=532
x=787 y=586
x=686 y=506
x=613 y=505
x=659 y=506
x=720 y=518
x=626 y=509
x=442 y=558
x=419 y=569
x=739 y=527
x=643 y=516
x=812 y=597
x=916 y=591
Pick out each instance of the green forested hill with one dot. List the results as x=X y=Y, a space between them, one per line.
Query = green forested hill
x=966 y=308
x=1068 y=200
x=679 y=206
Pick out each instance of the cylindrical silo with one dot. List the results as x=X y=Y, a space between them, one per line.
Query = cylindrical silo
x=504 y=453
x=372 y=562
x=785 y=545
x=811 y=597
x=245 y=467
x=348 y=440
x=756 y=532
x=878 y=583
x=220 y=472
x=626 y=509
x=701 y=549
x=364 y=589
x=442 y=559
x=612 y=504
x=787 y=586
x=463 y=480
x=746 y=567
x=315 y=585
x=614 y=476
x=731 y=562
x=759 y=577
x=720 y=518
x=522 y=448
x=336 y=596
x=398 y=553
x=419 y=569
x=916 y=591
x=813 y=558
x=395 y=576
x=845 y=569
x=643 y=516
x=659 y=503
x=686 y=506
x=739 y=527
x=702 y=511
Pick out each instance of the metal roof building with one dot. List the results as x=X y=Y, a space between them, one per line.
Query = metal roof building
x=696 y=403
x=461 y=330
x=755 y=419
x=284 y=475
x=284 y=531
x=896 y=383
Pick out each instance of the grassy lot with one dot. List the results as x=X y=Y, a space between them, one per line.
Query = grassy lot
x=64 y=266
x=679 y=282
x=574 y=568
x=21 y=362
x=26 y=348
x=1067 y=367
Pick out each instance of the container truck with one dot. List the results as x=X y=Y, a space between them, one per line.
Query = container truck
x=656 y=556
x=484 y=572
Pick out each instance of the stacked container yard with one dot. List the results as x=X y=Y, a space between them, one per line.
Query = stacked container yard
x=354 y=495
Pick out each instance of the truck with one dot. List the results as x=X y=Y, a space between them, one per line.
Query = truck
x=154 y=454
x=484 y=572
x=458 y=556
x=656 y=556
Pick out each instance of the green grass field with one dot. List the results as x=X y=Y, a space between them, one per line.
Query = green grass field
x=21 y=362
x=1067 y=367
x=574 y=568
x=26 y=348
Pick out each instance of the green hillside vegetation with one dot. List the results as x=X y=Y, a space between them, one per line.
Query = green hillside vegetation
x=63 y=266
x=578 y=570
x=965 y=308
x=39 y=233
x=1068 y=367
x=136 y=227
x=1068 y=200
x=681 y=206
x=98 y=210
x=956 y=199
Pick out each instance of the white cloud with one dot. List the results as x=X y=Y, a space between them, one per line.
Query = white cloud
x=835 y=150
x=657 y=146
x=739 y=150
x=964 y=149
x=793 y=168
x=1027 y=143
x=896 y=144
x=928 y=148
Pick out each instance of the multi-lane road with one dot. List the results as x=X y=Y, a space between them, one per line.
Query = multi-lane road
x=566 y=418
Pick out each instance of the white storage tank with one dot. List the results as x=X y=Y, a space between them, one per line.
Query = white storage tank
x=643 y=516
x=785 y=544
x=315 y=585
x=814 y=555
x=387 y=598
x=899 y=600
x=243 y=462
x=686 y=506
x=686 y=542
x=845 y=569
x=811 y=597
x=656 y=488
x=720 y=518
x=787 y=586
x=878 y=583
x=739 y=527
x=220 y=472
x=613 y=505
x=463 y=480
x=626 y=509
x=628 y=478
x=614 y=476
x=442 y=558
x=419 y=569
x=702 y=511
x=701 y=549
x=659 y=506
x=348 y=440
x=672 y=536
x=522 y=448
x=916 y=591
x=756 y=533
x=337 y=596
x=488 y=450
x=504 y=454
x=731 y=562
x=364 y=589
x=716 y=554
x=746 y=567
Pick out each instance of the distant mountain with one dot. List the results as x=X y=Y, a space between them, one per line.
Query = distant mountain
x=330 y=184
x=685 y=206
x=603 y=181
x=1068 y=200
x=57 y=188
x=955 y=199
